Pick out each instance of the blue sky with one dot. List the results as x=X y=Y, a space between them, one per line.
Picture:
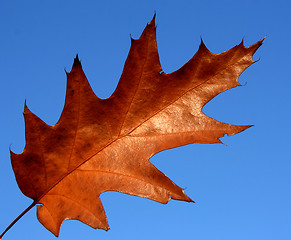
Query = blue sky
x=241 y=189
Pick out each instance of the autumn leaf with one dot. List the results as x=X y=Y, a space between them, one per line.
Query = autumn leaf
x=103 y=145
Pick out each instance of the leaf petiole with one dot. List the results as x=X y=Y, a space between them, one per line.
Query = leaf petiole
x=16 y=219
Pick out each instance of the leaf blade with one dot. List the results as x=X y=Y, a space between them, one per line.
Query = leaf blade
x=103 y=145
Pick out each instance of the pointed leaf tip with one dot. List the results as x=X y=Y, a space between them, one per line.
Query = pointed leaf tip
x=202 y=45
x=253 y=48
x=153 y=19
x=76 y=61
x=242 y=42
x=26 y=109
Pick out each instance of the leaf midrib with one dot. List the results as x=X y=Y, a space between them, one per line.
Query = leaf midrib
x=127 y=134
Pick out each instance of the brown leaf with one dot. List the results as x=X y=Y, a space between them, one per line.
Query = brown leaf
x=103 y=145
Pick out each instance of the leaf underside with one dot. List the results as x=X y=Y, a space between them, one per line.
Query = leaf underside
x=103 y=145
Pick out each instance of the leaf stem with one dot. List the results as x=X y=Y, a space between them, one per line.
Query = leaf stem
x=16 y=219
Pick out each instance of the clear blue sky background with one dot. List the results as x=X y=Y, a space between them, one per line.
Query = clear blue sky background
x=242 y=188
